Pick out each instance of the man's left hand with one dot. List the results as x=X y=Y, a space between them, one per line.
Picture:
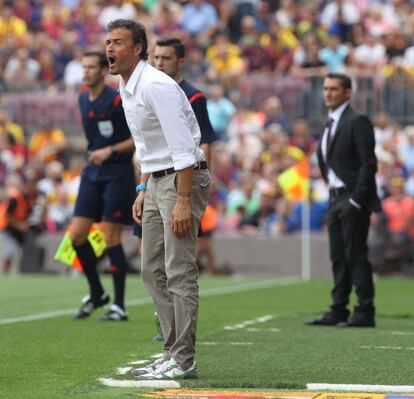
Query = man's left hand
x=181 y=217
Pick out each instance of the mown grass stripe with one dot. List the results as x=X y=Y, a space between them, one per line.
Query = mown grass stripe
x=208 y=292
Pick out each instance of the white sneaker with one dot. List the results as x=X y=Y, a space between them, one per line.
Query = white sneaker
x=171 y=370
x=156 y=371
x=149 y=368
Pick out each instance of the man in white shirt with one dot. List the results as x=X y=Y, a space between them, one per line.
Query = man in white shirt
x=172 y=194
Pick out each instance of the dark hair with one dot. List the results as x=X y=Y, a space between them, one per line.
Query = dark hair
x=137 y=30
x=346 y=81
x=178 y=45
x=103 y=61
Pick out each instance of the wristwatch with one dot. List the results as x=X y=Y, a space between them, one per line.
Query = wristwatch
x=114 y=150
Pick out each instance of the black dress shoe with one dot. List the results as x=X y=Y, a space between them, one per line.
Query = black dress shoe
x=358 y=322
x=328 y=319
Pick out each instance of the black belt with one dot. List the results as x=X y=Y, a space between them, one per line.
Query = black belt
x=336 y=192
x=198 y=166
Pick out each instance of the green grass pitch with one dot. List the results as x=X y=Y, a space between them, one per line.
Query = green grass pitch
x=54 y=356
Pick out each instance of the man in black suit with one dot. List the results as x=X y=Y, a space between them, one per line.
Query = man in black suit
x=348 y=164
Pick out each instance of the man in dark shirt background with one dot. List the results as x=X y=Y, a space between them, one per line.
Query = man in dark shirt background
x=169 y=57
x=106 y=191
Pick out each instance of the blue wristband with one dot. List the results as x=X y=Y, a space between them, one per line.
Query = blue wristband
x=140 y=187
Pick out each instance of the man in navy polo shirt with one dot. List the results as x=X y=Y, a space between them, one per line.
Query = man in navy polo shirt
x=107 y=188
x=169 y=57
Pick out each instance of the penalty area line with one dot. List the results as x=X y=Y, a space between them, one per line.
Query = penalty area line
x=360 y=387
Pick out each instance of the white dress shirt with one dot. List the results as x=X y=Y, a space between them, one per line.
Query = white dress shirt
x=333 y=180
x=161 y=120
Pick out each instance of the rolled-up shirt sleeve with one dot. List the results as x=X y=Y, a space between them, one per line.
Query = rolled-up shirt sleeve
x=174 y=115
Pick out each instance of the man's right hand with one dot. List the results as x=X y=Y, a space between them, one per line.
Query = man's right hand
x=138 y=206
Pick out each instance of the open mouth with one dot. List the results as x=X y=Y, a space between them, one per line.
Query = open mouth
x=111 y=60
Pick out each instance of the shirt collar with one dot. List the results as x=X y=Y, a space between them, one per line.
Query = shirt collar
x=133 y=80
x=336 y=115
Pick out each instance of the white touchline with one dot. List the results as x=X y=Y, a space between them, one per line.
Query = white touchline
x=157 y=355
x=123 y=370
x=395 y=348
x=137 y=362
x=255 y=329
x=243 y=324
x=110 y=382
x=212 y=343
x=279 y=282
x=361 y=388
x=400 y=333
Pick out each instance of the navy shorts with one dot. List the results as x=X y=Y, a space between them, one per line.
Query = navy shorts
x=109 y=199
x=137 y=230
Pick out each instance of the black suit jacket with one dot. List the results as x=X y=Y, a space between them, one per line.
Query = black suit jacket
x=352 y=158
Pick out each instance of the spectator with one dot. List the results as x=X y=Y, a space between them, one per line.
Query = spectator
x=286 y=14
x=300 y=136
x=346 y=9
x=119 y=9
x=7 y=126
x=46 y=61
x=89 y=28
x=382 y=128
x=369 y=56
x=273 y=113
x=334 y=54
x=399 y=213
x=47 y=144
x=395 y=44
x=22 y=71
x=260 y=221
x=73 y=73
x=280 y=42
x=220 y=110
x=245 y=147
x=167 y=23
x=308 y=23
x=376 y=23
x=54 y=19
x=257 y=57
x=244 y=195
x=405 y=149
x=306 y=61
x=12 y=155
x=11 y=26
x=16 y=217
x=226 y=60
x=197 y=67
x=317 y=214
x=60 y=210
x=199 y=20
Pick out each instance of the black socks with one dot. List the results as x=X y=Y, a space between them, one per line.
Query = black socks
x=118 y=270
x=88 y=261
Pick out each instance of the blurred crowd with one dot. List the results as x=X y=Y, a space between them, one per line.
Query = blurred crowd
x=42 y=41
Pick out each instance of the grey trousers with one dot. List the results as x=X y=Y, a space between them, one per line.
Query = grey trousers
x=168 y=263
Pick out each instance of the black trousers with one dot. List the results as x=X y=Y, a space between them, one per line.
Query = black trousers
x=348 y=233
